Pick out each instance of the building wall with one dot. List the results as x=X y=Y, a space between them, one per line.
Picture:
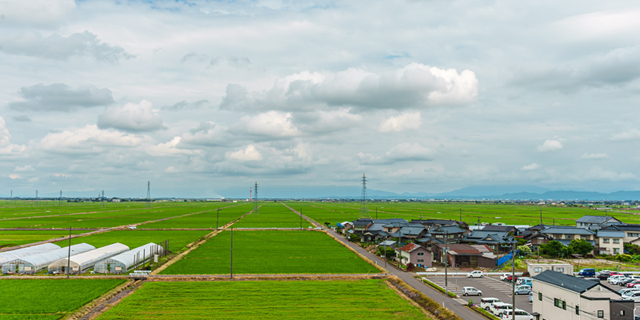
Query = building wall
x=611 y=245
x=426 y=257
x=565 y=268
x=626 y=306
x=549 y=311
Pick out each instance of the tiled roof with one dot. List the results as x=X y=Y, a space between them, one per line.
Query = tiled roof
x=567 y=230
x=623 y=227
x=497 y=228
x=448 y=229
x=568 y=282
x=410 y=247
x=610 y=234
x=460 y=249
x=595 y=219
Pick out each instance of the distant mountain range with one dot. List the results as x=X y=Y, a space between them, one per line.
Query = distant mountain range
x=517 y=192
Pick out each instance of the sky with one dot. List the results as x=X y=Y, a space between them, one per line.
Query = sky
x=199 y=97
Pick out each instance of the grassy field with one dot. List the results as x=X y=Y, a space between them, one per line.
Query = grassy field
x=272 y=215
x=14 y=238
x=358 y=299
x=271 y=252
x=205 y=219
x=49 y=299
x=178 y=239
x=470 y=212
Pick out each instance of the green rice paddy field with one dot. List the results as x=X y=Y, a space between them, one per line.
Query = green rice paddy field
x=358 y=299
x=49 y=299
x=271 y=252
x=207 y=219
x=272 y=215
x=470 y=212
x=15 y=238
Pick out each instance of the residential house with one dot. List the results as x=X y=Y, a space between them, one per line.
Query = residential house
x=432 y=223
x=498 y=242
x=564 y=234
x=412 y=232
x=413 y=253
x=631 y=231
x=459 y=255
x=452 y=233
x=495 y=228
x=388 y=243
x=561 y=296
x=610 y=241
x=427 y=241
x=535 y=269
x=360 y=225
x=596 y=222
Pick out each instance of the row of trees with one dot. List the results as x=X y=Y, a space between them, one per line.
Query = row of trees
x=555 y=249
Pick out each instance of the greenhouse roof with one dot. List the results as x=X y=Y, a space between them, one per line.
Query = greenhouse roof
x=42 y=260
x=88 y=259
x=24 y=252
x=130 y=257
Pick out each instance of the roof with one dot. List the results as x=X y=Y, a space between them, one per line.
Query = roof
x=435 y=221
x=385 y=221
x=90 y=258
x=595 y=219
x=411 y=247
x=396 y=224
x=567 y=230
x=568 y=282
x=460 y=249
x=448 y=229
x=42 y=260
x=497 y=228
x=408 y=231
x=610 y=234
x=482 y=248
x=130 y=257
x=566 y=242
x=387 y=243
x=362 y=222
x=25 y=252
x=623 y=227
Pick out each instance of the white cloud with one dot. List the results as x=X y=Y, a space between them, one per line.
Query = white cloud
x=250 y=153
x=270 y=124
x=550 y=145
x=131 y=117
x=61 y=97
x=594 y=156
x=410 y=152
x=170 y=169
x=6 y=147
x=89 y=139
x=629 y=135
x=207 y=134
x=34 y=179
x=36 y=12
x=27 y=168
x=530 y=167
x=14 y=176
x=414 y=86
x=170 y=148
x=405 y=121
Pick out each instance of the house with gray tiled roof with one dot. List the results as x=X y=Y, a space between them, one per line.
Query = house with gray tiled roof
x=596 y=222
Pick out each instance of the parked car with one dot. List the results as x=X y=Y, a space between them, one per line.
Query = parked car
x=629 y=291
x=504 y=276
x=637 y=286
x=512 y=278
x=632 y=283
x=633 y=296
x=475 y=274
x=625 y=290
x=471 y=291
x=614 y=279
x=587 y=272
x=520 y=315
x=527 y=282
x=522 y=280
x=522 y=290
x=485 y=303
x=499 y=308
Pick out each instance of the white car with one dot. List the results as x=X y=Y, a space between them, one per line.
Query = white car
x=522 y=280
x=475 y=274
x=633 y=296
x=485 y=303
x=471 y=291
x=625 y=290
x=504 y=276
x=499 y=308
x=616 y=279
x=520 y=315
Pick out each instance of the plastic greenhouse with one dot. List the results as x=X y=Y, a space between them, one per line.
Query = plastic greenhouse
x=128 y=260
x=85 y=261
x=34 y=263
x=25 y=252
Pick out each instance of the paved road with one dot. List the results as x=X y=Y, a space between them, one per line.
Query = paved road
x=453 y=305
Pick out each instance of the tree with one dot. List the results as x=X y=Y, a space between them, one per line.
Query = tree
x=633 y=249
x=391 y=252
x=524 y=250
x=521 y=242
x=580 y=246
x=553 y=248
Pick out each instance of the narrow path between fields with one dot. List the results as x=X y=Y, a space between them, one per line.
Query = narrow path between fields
x=408 y=278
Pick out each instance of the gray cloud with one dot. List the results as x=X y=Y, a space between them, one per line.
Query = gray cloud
x=61 y=97
x=131 y=117
x=414 y=86
x=21 y=118
x=57 y=47
x=184 y=105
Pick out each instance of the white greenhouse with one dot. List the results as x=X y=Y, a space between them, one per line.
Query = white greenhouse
x=25 y=252
x=34 y=263
x=128 y=260
x=85 y=261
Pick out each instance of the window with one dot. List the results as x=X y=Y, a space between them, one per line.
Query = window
x=616 y=241
x=539 y=296
x=439 y=236
x=567 y=236
x=616 y=250
x=560 y=269
x=557 y=303
x=564 y=305
x=600 y=313
x=420 y=260
x=622 y=312
x=537 y=269
x=605 y=240
x=578 y=310
x=421 y=253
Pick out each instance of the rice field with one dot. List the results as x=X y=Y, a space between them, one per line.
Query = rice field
x=207 y=219
x=49 y=299
x=358 y=299
x=15 y=238
x=271 y=252
x=272 y=215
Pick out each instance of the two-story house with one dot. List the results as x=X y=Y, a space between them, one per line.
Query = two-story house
x=564 y=234
x=413 y=253
x=596 y=222
x=610 y=241
x=631 y=232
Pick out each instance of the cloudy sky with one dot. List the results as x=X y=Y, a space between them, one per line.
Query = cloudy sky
x=422 y=96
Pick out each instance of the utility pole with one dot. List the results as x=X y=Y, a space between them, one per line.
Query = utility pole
x=60 y=199
x=460 y=214
x=69 y=255
x=148 y=194
x=363 y=197
x=300 y=218
x=541 y=215
x=102 y=199
x=231 y=252
x=385 y=257
x=513 y=279
x=256 y=207
x=446 y=262
x=218 y=219
x=376 y=213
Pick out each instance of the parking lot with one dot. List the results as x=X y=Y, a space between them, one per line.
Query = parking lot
x=491 y=287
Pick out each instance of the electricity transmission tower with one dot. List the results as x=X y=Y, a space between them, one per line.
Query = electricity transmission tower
x=256 y=207
x=364 y=209
x=148 y=195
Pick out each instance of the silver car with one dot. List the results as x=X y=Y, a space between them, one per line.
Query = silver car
x=522 y=290
x=471 y=291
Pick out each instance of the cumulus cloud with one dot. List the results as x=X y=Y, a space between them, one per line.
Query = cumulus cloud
x=21 y=118
x=405 y=121
x=325 y=121
x=39 y=13
x=549 y=146
x=272 y=124
x=184 y=105
x=594 y=156
x=27 y=168
x=250 y=153
x=131 y=117
x=61 y=97
x=207 y=134
x=56 y=47
x=630 y=135
x=530 y=167
x=401 y=152
x=414 y=86
x=87 y=140
x=14 y=176
x=6 y=147
x=170 y=148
